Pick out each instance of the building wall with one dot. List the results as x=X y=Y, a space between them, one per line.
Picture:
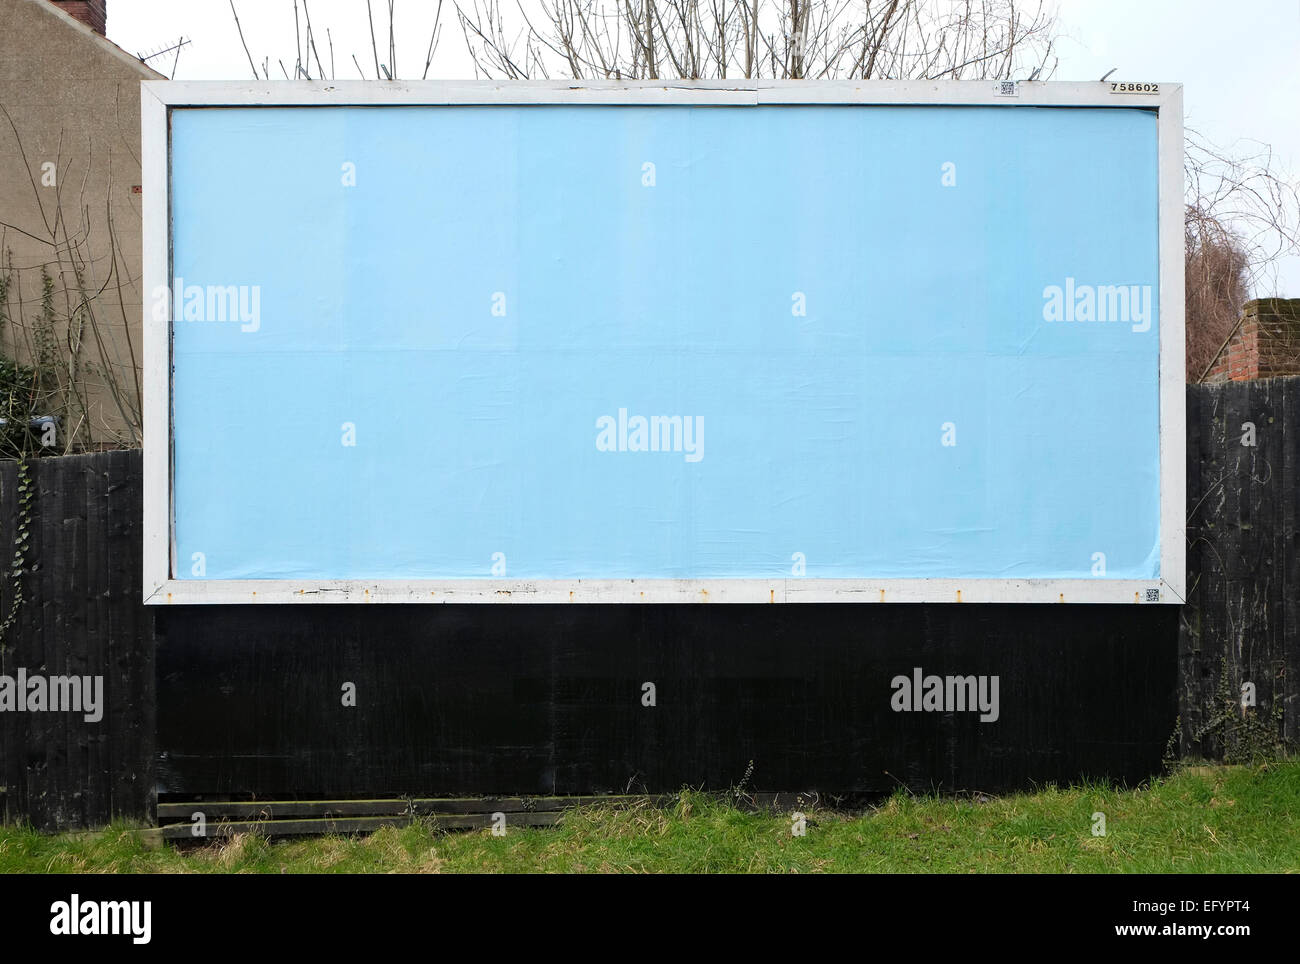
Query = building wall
x=73 y=102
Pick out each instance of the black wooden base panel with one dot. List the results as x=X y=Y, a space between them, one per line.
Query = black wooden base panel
x=550 y=700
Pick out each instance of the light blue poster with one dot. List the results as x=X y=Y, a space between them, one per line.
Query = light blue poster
x=562 y=342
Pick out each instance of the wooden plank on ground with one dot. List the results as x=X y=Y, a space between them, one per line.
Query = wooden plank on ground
x=285 y=809
x=346 y=825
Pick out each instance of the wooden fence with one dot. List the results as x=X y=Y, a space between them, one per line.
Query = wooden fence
x=71 y=597
x=238 y=701
x=1242 y=620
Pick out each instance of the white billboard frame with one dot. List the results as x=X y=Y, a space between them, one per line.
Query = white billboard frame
x=158 y=98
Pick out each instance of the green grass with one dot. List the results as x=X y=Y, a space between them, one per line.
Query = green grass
x=1201 y=819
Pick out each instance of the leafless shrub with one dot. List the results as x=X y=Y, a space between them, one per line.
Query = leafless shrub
x=64 y=348
x=1247 y=194
x=1217 y=271
x=1243 y=217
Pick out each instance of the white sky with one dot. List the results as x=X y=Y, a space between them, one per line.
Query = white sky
x=1239 y=61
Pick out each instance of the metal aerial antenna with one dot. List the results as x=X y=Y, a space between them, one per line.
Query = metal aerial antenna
x=168 y=48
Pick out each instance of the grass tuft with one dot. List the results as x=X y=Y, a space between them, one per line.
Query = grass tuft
x=1200 y=819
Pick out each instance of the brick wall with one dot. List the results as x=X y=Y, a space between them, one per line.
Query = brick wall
x=1265 y=344
x=93 y=13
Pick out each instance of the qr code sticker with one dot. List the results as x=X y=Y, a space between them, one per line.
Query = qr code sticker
x=1007 y=88
x=1153 y=595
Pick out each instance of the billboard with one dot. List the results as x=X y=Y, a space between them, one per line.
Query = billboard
x=751 y=341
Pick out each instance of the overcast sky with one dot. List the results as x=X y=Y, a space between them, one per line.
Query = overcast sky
x=1239 y=61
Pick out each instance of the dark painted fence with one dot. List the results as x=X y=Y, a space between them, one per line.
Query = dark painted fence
x=1242 y=621
x=549 y=700
x=70 y=595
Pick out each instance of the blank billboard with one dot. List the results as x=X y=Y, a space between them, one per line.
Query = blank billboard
x=625 y=343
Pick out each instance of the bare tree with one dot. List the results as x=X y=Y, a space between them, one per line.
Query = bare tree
x=786 y=39
x=1242 y=212
x=307 y=61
